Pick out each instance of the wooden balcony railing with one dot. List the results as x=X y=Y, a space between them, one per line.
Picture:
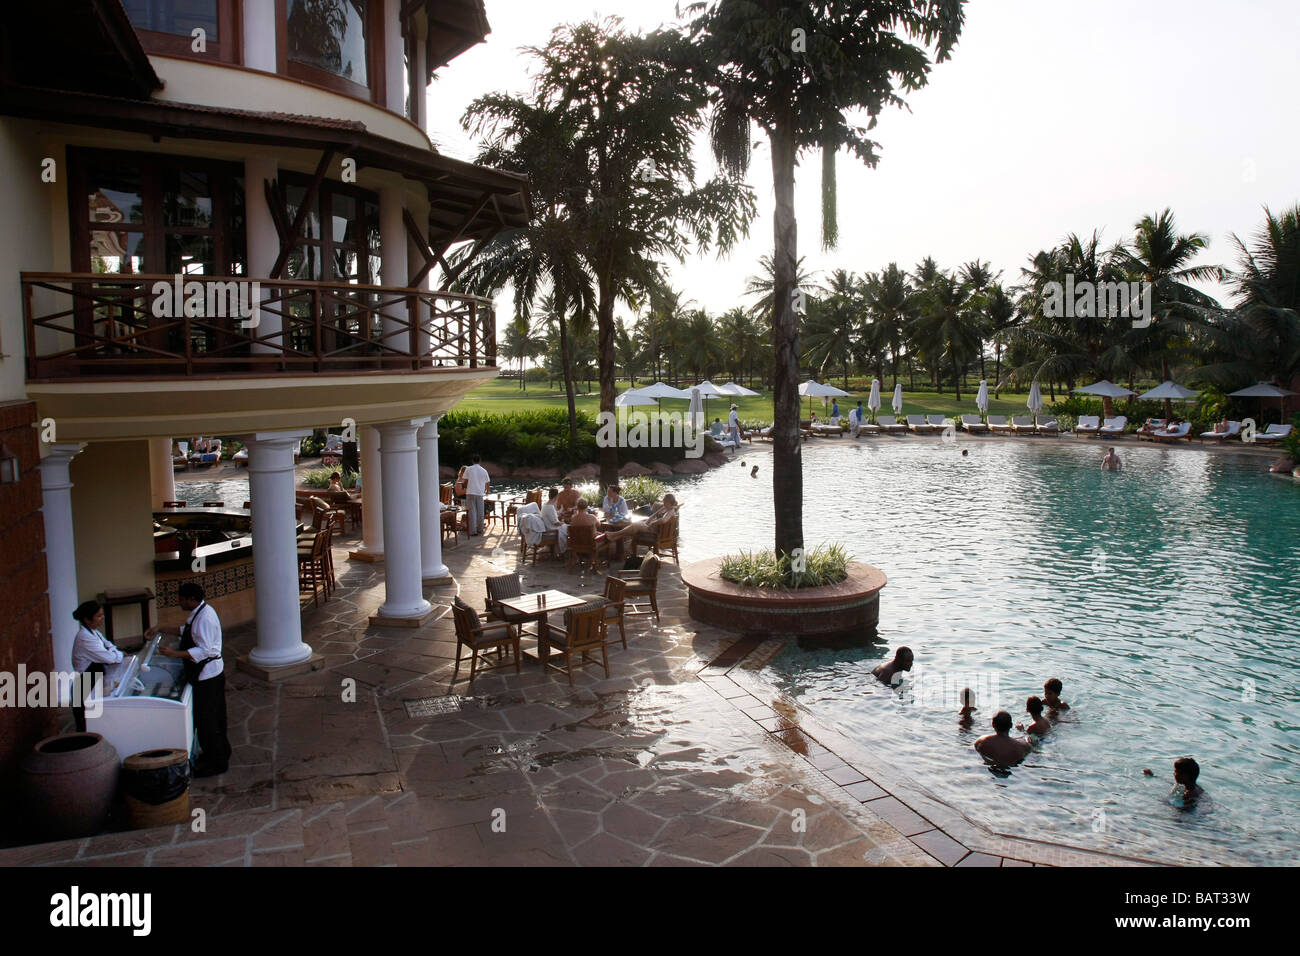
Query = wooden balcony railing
x=130 y=326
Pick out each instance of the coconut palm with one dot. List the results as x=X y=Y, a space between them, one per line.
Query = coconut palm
x=630 y=352
x=521 y=343
x=947 y=326
x=834 y=330
x=890 y=304
x=759 y=287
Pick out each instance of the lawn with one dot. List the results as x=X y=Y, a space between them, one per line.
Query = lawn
x=504 y=395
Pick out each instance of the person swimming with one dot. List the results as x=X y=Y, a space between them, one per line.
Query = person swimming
x=1186 y=791
x=1040 y=724
x=892 y=672
x=965 y=716
x=754 y=473
x=1052 y=695
x=1111 y=462
x=1000 y=748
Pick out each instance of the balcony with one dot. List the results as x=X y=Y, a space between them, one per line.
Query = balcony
x=156 y=327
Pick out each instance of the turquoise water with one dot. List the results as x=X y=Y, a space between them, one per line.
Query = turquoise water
x=1165 y=597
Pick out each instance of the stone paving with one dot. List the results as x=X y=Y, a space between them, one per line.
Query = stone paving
x=681 y=757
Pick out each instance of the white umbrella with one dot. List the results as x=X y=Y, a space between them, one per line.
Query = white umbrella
x=1262 y=391
x=1170 y=392
x=814 y=389
x=982 y=397
x=1035 y=401
x=633 y=397
x=873 y=400
x=738 y=391
x=696 y=414
x=663 y=390
x=1107 y=391
x=897 y=403
x=708 y=390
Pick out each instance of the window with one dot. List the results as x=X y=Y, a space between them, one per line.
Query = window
x=330 y=35
x=178 y=17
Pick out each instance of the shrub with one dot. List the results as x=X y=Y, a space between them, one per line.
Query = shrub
x=313 y=444
x=1290 y=445
x=537 y=375
x=825 y=565
x=642 y=490
x=320 y=478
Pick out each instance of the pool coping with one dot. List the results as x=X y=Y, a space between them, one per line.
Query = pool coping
x=937 y=829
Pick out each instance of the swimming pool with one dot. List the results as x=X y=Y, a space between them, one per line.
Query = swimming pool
x=1164 y=597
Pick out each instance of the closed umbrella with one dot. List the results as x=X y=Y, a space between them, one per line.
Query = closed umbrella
x=1170 y=392
x=897 y=403
x=873 y=400
x=1035 y=400
x=982 y=398
x=696 y=414
x=814 y=389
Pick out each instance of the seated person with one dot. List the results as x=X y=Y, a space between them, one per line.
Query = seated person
x=567 y=500
x=647 y=532
x=551 y=517
x=584 y=519
x=461 y=482
x=1052 y=695
x=716 y=428
x=336 y=482
x=892 y=671
x=1039 y=725
x=613 y=505
x=1000 y=748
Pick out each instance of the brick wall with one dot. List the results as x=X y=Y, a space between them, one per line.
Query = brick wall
x=25 y=621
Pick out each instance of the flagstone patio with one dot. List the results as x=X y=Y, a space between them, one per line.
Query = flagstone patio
x=681 y=757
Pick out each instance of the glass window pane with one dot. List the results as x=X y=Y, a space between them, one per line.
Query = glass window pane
x=191 y=256
x=293 y=197
x=187 y=199
x=304 y=264
x=344 y=216
x=174 y=16
x=330 y=35
x=115 y=195
x=116 y=252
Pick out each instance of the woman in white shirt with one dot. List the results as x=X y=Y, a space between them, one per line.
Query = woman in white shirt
x=551 y=515
x=91 y=651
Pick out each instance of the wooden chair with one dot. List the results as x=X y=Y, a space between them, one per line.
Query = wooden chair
x=313 y=569
x=584 y=543
x=473 y=633
x=325 y=515
x=175 y=504
x=450 y=524
x=584 y=632
x=446 y=494
x=613 y=600
x=549 y=540
x=500 y=588
x=642 y=583
x=534 y=497
x=665 y=540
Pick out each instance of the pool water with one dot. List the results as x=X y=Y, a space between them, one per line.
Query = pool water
x=1165 y=598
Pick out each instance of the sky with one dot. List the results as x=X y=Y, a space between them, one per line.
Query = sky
x=1051 y=117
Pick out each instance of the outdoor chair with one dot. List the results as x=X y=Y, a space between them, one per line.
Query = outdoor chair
x=530 y=524
x=181 y=456
x=642 y=583
x=614 y=597
x=1022 y=425
x=973 y=424
x=478 y=636
x=449 y=521
x=1114 y=427
x=1233 y=430
x=1273 y=433
x=583 y=543
x=918 y=425
x=1173 y=434
x=998 y=425
x=322 y=515
x=1152 y=425
x=447 y=493
x=584 y=633
x=1088 y=425
x=892 y=425
x=940 y=423
x=501 y=588
x=665 y=540
x=1048 y=427
x=313 y=565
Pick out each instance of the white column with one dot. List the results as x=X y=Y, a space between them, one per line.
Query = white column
x=403 y=584
x=430 y=516
x=262 y=242
x=162 y=479
x=393 y=268
x=60 y=550
x=275 y=549
x=259 y=35
x=394 y=90
x=419 y=66
x=372 y=498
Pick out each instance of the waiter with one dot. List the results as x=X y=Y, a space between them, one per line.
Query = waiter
x=91 y=650
x=205 y=670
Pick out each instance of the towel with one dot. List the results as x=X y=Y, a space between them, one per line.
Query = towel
x=531 y=525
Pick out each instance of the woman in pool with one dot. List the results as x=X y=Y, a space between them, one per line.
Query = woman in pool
x=1040 y=725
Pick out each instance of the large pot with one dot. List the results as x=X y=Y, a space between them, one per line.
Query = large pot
x=67 y=784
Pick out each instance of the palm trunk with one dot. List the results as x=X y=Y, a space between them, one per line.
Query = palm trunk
x=568 y=382
x=997 y=372
x=956 y=383
x=787 y=462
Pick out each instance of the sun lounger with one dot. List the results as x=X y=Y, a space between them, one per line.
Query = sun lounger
x=827 y=431
x=1114 y=427
x=941 y=423
x=1088 y=425
x=892 y=425
x=998 y=424
x=1152 y=425
x=1234 y=431
x=1022 y=425
x=182 y=457
x=1173 y=434
x=1048 y=427
x=973 y=424
x=1272 y=433
x=918 y=424
x=863 y=427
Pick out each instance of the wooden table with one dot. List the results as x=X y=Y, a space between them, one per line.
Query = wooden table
x=616 y=552
x=531 y=608
x=500 y=501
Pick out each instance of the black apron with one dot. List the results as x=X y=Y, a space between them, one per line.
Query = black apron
x=192 y=667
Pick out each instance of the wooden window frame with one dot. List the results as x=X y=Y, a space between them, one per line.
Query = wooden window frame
x=228 y=49
x=376 y=68
x=324 y=210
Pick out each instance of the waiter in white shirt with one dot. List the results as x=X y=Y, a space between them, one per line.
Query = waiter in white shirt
x=91 y=651
x=205 y=670
x=734 y=424
x=477 y=484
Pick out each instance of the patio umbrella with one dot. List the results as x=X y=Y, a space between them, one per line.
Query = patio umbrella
x=737 y=391
x=1108 y=391
x=1170 y=392
x=661 y=390
x=632 y=397
x=707 y=391
x=982 y=397
x=873 y=400
x=1262 y=391
x=897 y=403
x=696 y=413
x=1035 y=400
x=814 y=389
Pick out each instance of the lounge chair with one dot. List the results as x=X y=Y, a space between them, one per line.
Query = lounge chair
x=181 y=457
x=940 y=423
x=919 y=425
x=973 y=424
x=207 y=458
x=1272 y=433
x=867 y=428
x=1233 y=431
x=1088 y=425
x=1183 y=430
x=1048 y=427
x=1022 y=425
x=827 y=430
x=1152 y=425
x=1114 y=427
x=998 y=424
x=240 y=457
x=891 y=425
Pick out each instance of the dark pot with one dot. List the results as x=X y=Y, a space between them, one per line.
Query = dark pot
x=67 y=785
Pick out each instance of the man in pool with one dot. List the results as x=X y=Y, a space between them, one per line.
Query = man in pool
x=1186 y=790
x=892 y=672
x=1052 y=695
x=1000 y=748
x=1111 y=462
x=1040 y=725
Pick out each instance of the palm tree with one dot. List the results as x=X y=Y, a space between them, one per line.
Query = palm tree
x=700 y=351
x=947 y=326
x=761 y=286
x=1001 y=317
x=630 y=352
x=890 y=304
x=522 y=342
x=834 y=330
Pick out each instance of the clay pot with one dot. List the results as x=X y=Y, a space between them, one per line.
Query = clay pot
x=67 y=784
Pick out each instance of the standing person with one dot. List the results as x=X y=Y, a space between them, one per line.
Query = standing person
x=855 y=421
x=835 y=411
x=614 y=505
x=1111 y=462
x=477 y=484
x=200 y=649
x=91 y=650
x=734 y=424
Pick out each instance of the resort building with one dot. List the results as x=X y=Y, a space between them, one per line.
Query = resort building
x=224 y=217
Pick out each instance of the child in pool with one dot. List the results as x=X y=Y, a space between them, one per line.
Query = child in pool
x=965 y=716
x=1186 y=791
x=1040 y=725
x=1052 y=695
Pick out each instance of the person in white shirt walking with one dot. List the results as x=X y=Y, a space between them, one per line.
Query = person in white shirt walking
x=477 y=484
x=734 y=425
x=91 y=651
x=205 y=670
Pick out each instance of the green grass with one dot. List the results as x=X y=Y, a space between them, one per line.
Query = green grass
x=502 y=395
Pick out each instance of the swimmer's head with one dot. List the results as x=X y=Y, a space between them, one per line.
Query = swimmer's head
x=964 y=453
x=1034 y=706
x=1002 y=722
x=1052 y=687
x=903 y=658
x=1186 y=770
x=967 y=697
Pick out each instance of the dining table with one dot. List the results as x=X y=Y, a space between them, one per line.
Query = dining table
x=535 y=607
x=607 y=525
